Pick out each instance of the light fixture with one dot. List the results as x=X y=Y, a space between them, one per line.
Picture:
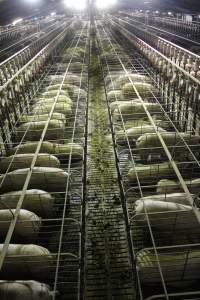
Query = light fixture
x=53 y=13
x=157 y=12
x=75 y=4
x=102 y=4
x=17 y=21
x=169 y=13
x=32 y=1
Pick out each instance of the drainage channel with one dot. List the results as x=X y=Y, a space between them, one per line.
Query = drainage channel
x=108 y=270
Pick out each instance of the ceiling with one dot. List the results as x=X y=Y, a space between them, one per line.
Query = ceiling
x=10 y=9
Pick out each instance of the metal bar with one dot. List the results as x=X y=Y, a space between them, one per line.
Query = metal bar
x=28 y=177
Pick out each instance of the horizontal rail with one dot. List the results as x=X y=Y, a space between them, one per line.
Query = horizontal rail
x=190 y=30
x=64 y=272
x=184 y=58
x=119 y=62
x=13 y=64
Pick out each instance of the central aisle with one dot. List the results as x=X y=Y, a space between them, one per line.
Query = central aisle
x=108 y=271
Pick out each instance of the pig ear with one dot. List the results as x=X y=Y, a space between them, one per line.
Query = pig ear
x=56 y=293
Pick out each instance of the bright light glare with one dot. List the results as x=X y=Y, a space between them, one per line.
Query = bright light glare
x=19 y=20
x=32 y=1
x=75 y=4
x=102 y=4
x=53 y=13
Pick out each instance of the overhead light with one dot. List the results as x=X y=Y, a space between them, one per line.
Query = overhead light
x=157 y=12
x=169 y=13
x=102 y=4
x=32 y=1
x=53 y=13
x=75 y=4
x=17 y=21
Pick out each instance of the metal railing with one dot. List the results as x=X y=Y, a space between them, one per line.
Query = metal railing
x=179 y=84
x=153 y=234
x=185 y=29
x=59 y=227
x=184 y=58
x=14 y=63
